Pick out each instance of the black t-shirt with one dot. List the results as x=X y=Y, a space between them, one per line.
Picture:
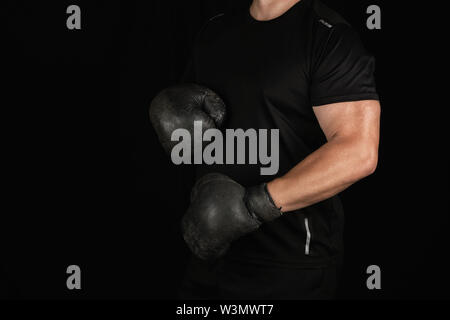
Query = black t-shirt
x=271 y=74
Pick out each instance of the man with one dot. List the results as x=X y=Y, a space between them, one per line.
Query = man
x=297 y=67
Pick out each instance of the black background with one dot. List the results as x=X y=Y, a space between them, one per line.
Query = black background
x=86 y=183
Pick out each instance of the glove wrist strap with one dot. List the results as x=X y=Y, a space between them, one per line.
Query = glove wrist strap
x=260 y=203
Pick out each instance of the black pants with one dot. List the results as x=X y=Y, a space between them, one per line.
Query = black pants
x=227 y=279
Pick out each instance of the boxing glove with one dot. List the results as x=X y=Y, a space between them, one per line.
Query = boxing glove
x=179 y=106
x=222 y=211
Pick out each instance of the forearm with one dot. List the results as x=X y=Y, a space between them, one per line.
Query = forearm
x=324 y=173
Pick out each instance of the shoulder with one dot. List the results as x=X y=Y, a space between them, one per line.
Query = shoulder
x=215 y=22
x=325 y=16
x=221 y=23
x=328 y=26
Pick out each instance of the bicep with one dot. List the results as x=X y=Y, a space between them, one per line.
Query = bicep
x=350 y=119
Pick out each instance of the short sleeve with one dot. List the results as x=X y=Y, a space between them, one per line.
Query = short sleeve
x=343 y=70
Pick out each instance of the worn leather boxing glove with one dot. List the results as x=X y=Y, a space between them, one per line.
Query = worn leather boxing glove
x=221 y=211
x=179 y=106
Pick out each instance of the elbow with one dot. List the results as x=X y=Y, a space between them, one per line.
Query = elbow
x=367 y=162
x=363 y=162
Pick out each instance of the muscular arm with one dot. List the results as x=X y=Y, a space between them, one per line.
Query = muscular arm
x=350 y=154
